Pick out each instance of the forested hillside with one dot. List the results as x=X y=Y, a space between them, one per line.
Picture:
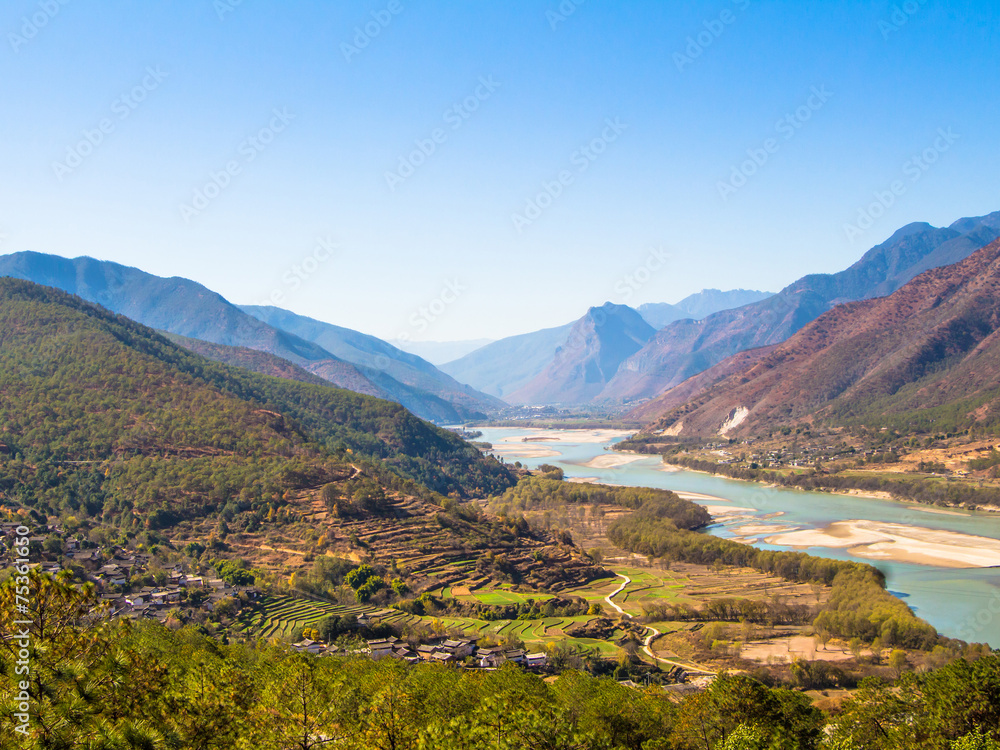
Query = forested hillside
x=186 y=308
x=103 y=416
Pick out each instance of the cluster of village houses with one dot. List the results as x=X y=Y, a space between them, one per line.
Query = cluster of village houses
x=440 y=650
x=116 y=566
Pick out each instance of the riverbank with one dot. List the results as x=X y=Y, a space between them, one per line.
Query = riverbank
x=950 y=597
x=541 y=443
x=932 y=491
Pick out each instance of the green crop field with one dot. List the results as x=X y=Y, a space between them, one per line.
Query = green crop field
x=281 y=616
x=503 y=596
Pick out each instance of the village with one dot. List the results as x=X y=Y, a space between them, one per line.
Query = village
x=123 y=578
x=463 y=652
x=121 y=575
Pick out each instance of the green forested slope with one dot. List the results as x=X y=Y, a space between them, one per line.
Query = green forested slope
x=99 y=413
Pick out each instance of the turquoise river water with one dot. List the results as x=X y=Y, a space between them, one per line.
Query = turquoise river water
x=960 y=602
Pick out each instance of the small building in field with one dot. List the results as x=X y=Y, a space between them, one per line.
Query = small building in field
x=309 y=646
x=535 y=661
x=382 y=647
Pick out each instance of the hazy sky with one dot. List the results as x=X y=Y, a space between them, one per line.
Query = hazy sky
x=732 y=143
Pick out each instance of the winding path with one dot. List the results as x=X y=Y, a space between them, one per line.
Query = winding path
x=653 y=632
x=609 y=598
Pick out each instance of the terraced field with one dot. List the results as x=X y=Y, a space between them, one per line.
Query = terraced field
x=281 y=616
x=504 y=596
x=649 y=585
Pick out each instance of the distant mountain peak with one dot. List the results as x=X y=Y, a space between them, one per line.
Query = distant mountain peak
x=685 y=348
x=596 y=345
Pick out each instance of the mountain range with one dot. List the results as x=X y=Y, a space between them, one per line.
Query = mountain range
x=613 y=354
x=185 y=308
x=441 y=352
x=380 y=361
x=687 y=347
x=135 y=423
x=505 y=367
x=698 y=305
x=927 y=356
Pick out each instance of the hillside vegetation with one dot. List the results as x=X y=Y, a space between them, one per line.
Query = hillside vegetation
x=103 y=416
x=186 y=308
x=97 y=684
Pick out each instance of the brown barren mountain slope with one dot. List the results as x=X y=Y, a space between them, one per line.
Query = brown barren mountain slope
x=687 y=347
x=695 y=385
x=933 y=342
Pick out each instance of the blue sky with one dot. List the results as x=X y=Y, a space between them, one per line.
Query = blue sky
x=735 y=143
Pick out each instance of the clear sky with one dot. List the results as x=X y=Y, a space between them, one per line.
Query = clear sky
x=732 y=143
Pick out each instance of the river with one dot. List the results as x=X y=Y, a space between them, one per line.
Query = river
x=960 y=602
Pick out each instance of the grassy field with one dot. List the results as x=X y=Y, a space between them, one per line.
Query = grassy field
x=281 y=616
x=503 y=596
x=649 y=585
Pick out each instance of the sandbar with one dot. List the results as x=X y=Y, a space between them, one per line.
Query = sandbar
x=898 y=542
x=611 y=461
x=600 y=435
x=941 y=512
x=724 y=510
x=524 y=450
x=762 y=529
x=701 y=496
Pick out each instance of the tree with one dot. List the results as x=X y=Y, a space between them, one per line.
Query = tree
x=86 y=686
x=975 y=740
x=303 y=705
x=897 y=661
x=877 y=717
x=746 y=737
x=359 y=576
x=857 y=648
x=877 y=650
